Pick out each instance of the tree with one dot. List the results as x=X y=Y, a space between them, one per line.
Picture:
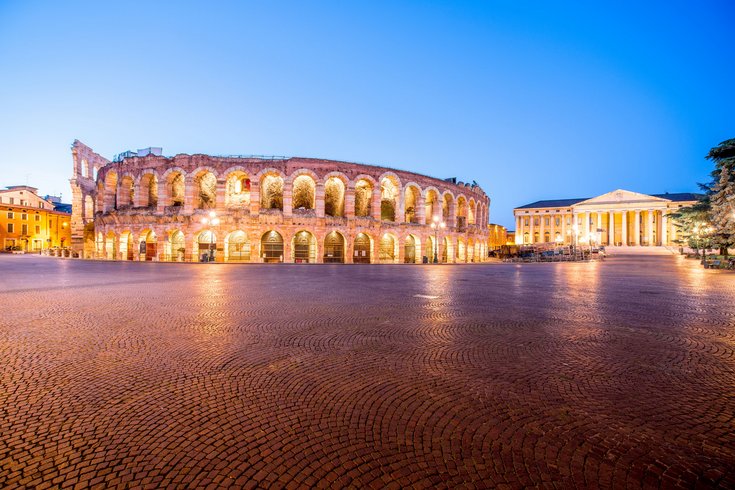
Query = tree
x=689 y=220
x=722 y=194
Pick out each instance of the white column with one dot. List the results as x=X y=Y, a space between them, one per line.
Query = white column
x=650 y=228
x=664 y=228
x=611 y=228
x=637 y=228
x=564 y=227
x=541 y=228
x=625 y=228
x=530 y=228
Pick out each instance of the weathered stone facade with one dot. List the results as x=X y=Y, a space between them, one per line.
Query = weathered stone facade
x=272 y=210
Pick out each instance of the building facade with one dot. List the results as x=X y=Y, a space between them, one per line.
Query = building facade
x=31 y=223
x=145 y=206
x=618 y=218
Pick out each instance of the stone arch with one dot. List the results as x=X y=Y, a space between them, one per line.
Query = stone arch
x=411 y=194
x=176 y=246
x=390 y=190
x=461 y=212
x=447 y=206
x=303 y=192
x=237 y=247
x=88 y=210
x=205 y=242
x=364 y=189
x=411 y=249
x=110 y=250
x=110 y=193
x=429 y=248
x=271 y=247
x=304 y=247
x=237 y=187
x=271 y=189
x=335 y=185
x=471 y=212
x=205 y=188
x=470 y=250
x=127 y=245
x=126 y=191
x=334 y=247
x=448 y=252
x=148 y=189
x=148 y=236
x=362 y=249
x=461 y=251
x=388 y=249
x=174 y=193
x=432 y=203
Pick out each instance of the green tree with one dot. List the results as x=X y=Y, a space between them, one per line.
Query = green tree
x=722 y=194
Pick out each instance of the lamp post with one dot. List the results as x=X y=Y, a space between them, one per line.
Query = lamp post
x=435 y=225
x=211 y=221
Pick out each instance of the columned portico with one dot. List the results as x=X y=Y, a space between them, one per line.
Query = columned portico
x=612 y=213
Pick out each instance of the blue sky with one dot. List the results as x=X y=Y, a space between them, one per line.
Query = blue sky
x=533 y=100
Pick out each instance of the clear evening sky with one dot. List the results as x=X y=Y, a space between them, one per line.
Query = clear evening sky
x=533 y=100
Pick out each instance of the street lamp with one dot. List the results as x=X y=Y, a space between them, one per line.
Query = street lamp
x=436 y=224
x=212 y=221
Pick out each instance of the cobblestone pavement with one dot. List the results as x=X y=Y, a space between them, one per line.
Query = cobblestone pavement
x=613 y=374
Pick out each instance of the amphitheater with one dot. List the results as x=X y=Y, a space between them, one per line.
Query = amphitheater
x=145 y=206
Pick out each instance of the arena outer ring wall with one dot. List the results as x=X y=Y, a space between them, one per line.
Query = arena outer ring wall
x=275 y=210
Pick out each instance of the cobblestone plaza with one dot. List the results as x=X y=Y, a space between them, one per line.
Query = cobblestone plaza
x=134 y=374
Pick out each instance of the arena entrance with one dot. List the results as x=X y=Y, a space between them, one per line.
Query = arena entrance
x=362 y=249
x=150 y=247
x=271 y=247
x=237 y=247
x=387 y=250
x=409 y=250
x=206 y=246
x=304 y=248
x=334 y=246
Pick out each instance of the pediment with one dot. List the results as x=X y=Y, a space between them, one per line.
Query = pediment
x=621 y=196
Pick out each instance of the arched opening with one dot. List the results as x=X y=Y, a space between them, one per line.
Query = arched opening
x=461 y=213
x=149 y=191
x=388 y=199
x=237 y=189
x=461 y=251
x=446 y=251
x=409 y=250
x=205 y=246
x=85 y=168
x=557 y=237
x=361 y=254
x=127 y=192
x=304 y=193
x=271 y=192
x=429 y=249
x=363 y=197
x=387 y=249
x=237 y=247
x=334 y=246
x=127 y=247
x=535 y=237
x=176 y=187
x=411 y=203
x=470 y=250
x=478 y=252
x=525 y=237
x=304 y=247
x=431 y=205
x=148 y=245
x=206 y=190
x=334 y=197
x=471 y=212
x=88 y=208
x=271 y=247
x=110 y=199
x=446 y=207
x=178 y=246
x=110 y=252
x=547 y=237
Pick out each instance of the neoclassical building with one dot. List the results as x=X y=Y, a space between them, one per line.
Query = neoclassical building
x=145 y=206
x=618 y=218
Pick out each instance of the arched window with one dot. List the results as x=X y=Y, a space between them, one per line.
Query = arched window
x=271 y=192
x=334 y=197
x=363 y=197
x=304 y=193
